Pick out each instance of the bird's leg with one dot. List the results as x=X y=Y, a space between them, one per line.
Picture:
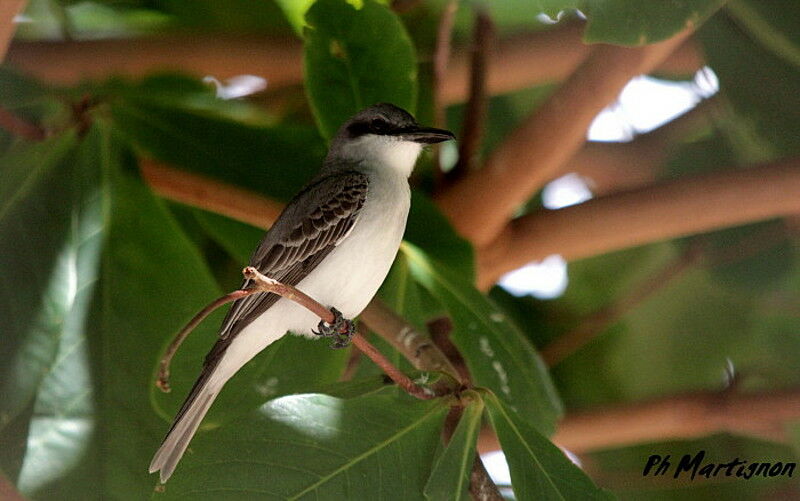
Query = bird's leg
x=341 y=330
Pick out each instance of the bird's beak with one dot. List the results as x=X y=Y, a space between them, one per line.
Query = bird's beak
x=427 y=135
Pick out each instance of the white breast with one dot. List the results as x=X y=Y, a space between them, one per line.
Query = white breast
x=351 y=274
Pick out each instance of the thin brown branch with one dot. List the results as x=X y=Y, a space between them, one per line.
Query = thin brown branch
x=668 y=210
x=16 y=126
x=260 y=283
x=542 y=144
x=209 y=194
x=277 y=59
x=162 y=380
x=9 y=9
x=530 y=59
x=475 y=113
x=519 y=62
x=441 y=55
x=674 y=418
x=599 y=321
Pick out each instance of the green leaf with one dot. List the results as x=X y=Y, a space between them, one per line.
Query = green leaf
x=429 y=230
x=94 y=429
x=355 y=58
x=762 y=87
x=295 y=12
x=539 y=470
x=316 y=447
x=451 y=474
x=638 y=23
x=44 y=221
x=498 y=355
x=773 y=23
x=275 y=160
x=27 y=98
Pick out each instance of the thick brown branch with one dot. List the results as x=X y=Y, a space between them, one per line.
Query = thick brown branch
x=206 y=193
x=531 y=59
x=541 y=145
x=673 y=418
x=9 y=9
x=613 y=167
x=651 y=214
x=519 y=62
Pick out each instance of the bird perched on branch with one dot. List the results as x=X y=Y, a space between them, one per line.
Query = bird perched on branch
x=335 y=241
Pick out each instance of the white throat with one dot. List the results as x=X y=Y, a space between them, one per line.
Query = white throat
x=385 y=151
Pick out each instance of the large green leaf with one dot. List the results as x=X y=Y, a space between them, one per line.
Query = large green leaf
x=355 y=58
x=451 y=474
x=539 y=470
x=498 y=355
x=772 y=23
x=430 y=230
x=316 y=447
x=43 y=224
x=94 y=428
x=274 y=160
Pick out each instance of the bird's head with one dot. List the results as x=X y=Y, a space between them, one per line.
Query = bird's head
x=386 y=135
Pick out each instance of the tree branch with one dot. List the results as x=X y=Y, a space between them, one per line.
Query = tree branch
x=650 y=214
x=530 y=59
x=414 y=344
x=597 y=322
x=259 y=283
x=518 y=62
x=475 y=114
x=19 y=127
x=9 y=9
x=441 y=57
x=612 y=167
x=546 y=140
x=211 y=195
x=677 y=417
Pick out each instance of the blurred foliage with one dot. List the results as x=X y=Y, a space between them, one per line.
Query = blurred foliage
x=99 y=273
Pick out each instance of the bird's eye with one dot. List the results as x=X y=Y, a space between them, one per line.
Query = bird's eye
x=378 y=125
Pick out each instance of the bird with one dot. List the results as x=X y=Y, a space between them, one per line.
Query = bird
x=335 y=241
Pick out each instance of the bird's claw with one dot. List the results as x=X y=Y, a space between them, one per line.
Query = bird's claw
x=341 y=330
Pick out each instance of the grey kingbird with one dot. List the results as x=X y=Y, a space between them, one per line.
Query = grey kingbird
x=335 y=241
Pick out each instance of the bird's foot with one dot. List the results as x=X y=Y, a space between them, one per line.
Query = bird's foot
x=341 y=330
